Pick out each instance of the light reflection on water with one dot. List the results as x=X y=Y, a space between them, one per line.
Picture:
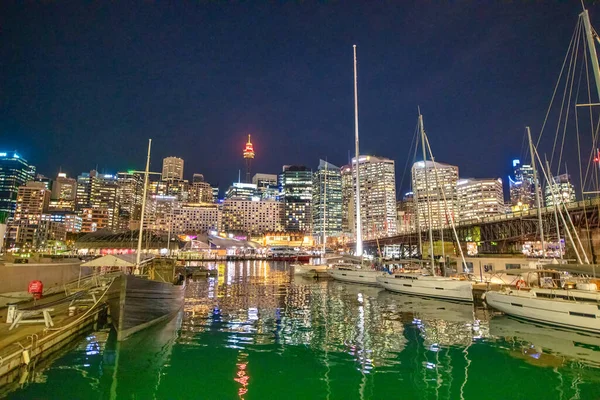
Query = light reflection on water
x=256 y=331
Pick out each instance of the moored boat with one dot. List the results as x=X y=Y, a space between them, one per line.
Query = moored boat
x=355 y=274
x=428 y=286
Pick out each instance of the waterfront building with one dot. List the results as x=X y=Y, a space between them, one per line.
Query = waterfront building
x=15 y=171
x=431 y=183
x=327 y=201
x=522 y=187
x=130 y=187
x=32 y=201
x=159 y=212
x=172 y=168
x=295 y=186
x=479 y=198
x=266 y=185
x=241 y=191
x=196 y=218
x=560 y=191
x=379 y=216
x=248 y=157
x=253 y=217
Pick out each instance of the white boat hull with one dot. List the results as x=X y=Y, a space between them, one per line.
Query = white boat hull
x=565 y=313
x=300 y=269
x=364 y=276
x=428 y=286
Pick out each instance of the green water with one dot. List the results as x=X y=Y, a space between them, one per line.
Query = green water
x=259 y=332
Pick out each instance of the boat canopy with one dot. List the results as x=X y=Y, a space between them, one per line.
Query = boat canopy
x=121 y=260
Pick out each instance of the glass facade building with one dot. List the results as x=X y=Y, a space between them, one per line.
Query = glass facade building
x=15 y=171
x=327 y=201
x=295 y=188
x=435 y=194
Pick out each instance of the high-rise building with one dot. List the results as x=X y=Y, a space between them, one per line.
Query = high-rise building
x=436 y=198
x=172 y=168
x=197 y=178
x=201 y=192
x=130 y=187
x=266 y=185
x=241 y=191
x=64 y=188
x=522 y=187
x=94 y=219
x=253 y=217
x=327 y=201
x=560 y=191
x=295 y=186
x=248 y=157
x=15 y=171
x=103 y=194
x=377 y=175
x=32 y=202
x=71 y=221
x=84 y=189
x=479 y=198
x=179 y=189
x=406 y=213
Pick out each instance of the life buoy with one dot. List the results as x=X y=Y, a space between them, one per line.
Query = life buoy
x=520 y=284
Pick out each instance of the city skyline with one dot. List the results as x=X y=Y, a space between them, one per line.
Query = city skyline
x=296 y=103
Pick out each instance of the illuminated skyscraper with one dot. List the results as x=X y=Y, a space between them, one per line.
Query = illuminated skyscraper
x=434 y=188
x=522 y=187
x=172 y=168
x=248 y=157
x=377 y=197
x=479 y=198
x=64 y=188
x=295 y=186
x=561 y=191
x=327 y=201
x=15 y=171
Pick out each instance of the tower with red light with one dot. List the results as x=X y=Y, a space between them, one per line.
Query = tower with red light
x=248 y=157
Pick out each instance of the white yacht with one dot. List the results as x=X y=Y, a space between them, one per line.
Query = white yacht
x=355 y=274
x=440 y=287
x=555 y=299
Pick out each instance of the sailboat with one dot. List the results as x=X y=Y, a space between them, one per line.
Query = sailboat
x=553 y=297
x=136 y=302
x=356 y=272
x=425 y=284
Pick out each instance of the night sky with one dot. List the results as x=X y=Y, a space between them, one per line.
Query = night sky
x=87 y=83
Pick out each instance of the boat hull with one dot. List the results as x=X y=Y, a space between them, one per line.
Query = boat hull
x=567 y=314
x=366 y=277
x=428 y=286
x=306 y=268
x=136 y=303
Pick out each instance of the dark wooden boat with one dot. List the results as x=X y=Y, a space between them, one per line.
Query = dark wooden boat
x=136 y=303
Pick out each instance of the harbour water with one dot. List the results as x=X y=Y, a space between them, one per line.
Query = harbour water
x=256 y=331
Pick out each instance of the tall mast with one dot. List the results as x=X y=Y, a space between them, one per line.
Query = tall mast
x=538 y=201
x=554 y=201
x=359 y=243
x=325 y=209
x=592 y=48
x=427 y=192
x=140 y=235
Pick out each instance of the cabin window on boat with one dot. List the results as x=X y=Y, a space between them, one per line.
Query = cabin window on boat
x=513 y=266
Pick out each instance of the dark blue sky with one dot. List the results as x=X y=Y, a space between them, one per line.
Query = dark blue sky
x=87 y=83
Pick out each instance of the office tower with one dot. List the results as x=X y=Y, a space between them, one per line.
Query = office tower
x=103 y=195
x=178 y=188
x=434 y=188
x=84 y=188
x=266 y=185
x=32 y=202
x=64 y=188
x=379 y=217
x=295 y=186
x=215 y=190
x=172 y=168
x=560 y=191
x=479 y=198
x=130 y=187
x=15 y=171
x=522 y=187
x=248 y=157
x=406 y=213
x=251 y=217
x=327 y=201
x=200 y=192
x=241 y=191
x=197 y=178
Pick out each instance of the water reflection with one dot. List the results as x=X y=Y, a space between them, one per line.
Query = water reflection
x=257 y=331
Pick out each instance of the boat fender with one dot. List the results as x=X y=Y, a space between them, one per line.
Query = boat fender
x=520 y=284
x=483 y=296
